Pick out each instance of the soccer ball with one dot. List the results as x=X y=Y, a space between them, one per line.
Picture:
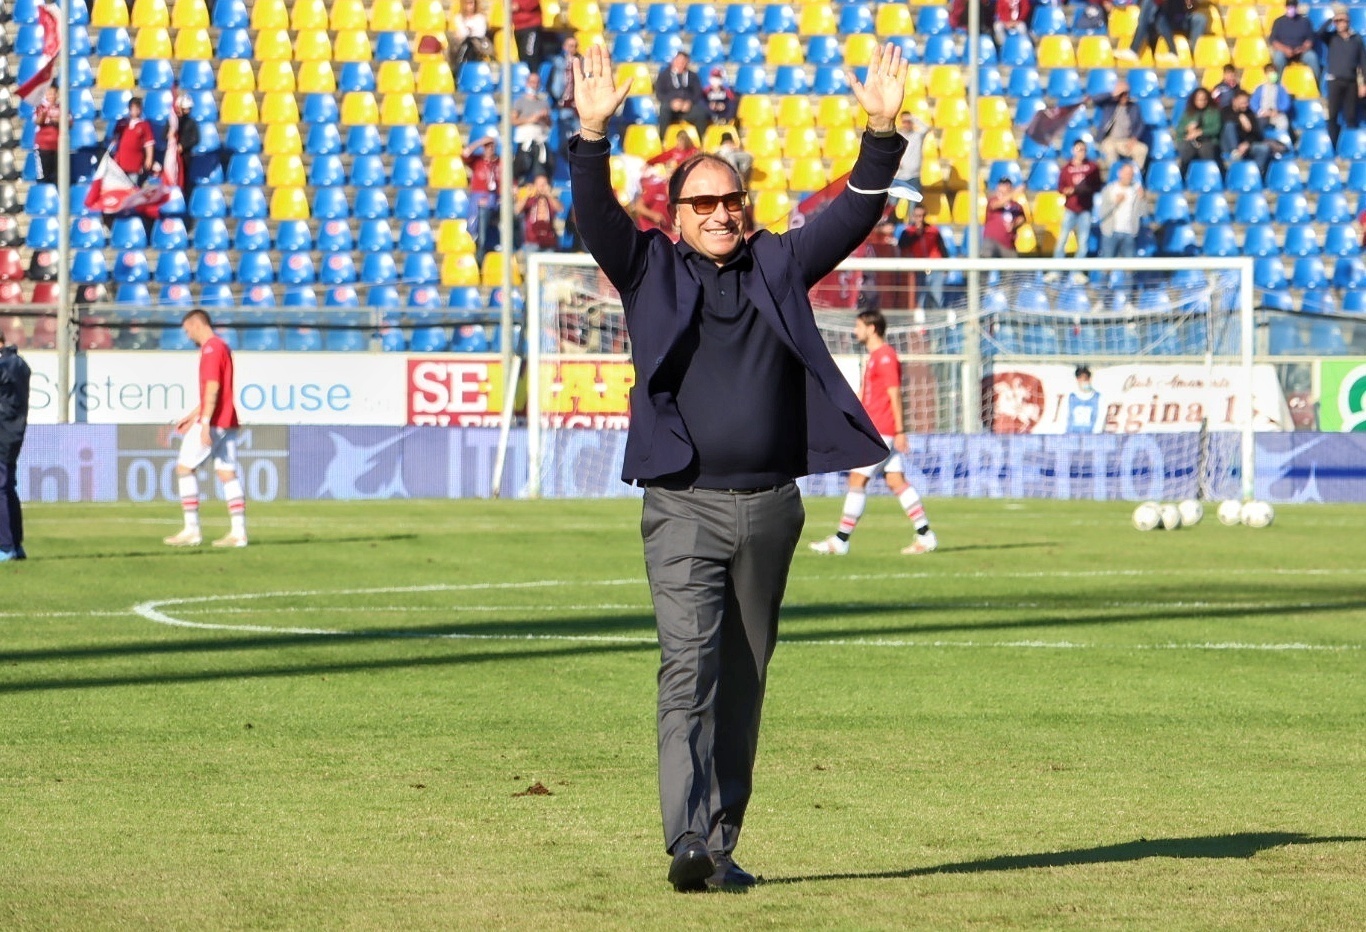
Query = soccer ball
x=1258 y=514
x=1146 y=516
x=1171 y=516
x=1191 y=512
x=1230 y=512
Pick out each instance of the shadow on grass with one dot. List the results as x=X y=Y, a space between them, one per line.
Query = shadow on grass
x=182 y=553
x=1238 y=845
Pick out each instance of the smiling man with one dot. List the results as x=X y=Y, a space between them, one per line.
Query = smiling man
x=736 y=396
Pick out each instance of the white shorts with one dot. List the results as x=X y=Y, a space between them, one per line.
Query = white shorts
x=892 y=462
x=222 y=447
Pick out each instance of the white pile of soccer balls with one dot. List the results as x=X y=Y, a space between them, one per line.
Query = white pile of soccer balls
x=1150 y=516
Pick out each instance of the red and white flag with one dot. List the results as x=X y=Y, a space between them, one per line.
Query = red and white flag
x=50 y=21
x=112 y=191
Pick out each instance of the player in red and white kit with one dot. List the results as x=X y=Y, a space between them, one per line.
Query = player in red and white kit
x=210 y=430
x=882 y=399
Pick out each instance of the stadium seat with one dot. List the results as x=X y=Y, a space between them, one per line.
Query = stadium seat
x=213 y=268
x=1325 y=177
x=1292 y=208
x=1203 y=176
x=1341 y=240
x=1251 y=207
x=1220 y=240
x=211 y=233
x=1163 y=177
x=1244 y=177
x=1260 y=241
x=941 y=49
x=1212 y=208
x=1301 y=239
x=1269 y=273
x=131 y=266
x=1309 y=273
x=435 y=78
x=1284 y=177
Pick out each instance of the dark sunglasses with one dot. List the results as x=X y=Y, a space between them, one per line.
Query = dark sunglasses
x=705 y=204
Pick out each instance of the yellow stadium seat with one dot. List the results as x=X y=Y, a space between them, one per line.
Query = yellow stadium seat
x=917 y=81
x=1047 y=211
x=711 y=140
x=840 y=143
x=283 y=139
x=459 y=269
x=1095 y=52
x=858 y=48
x=429 y=16
x=273 y=45
x=448 y=173
x=962 y=208
x=755 y=111
x=359 y=109
x=153 y=42
x=550 y=13
x=353 y=45
x=317 y=77
x=1123 y=23
x=808 y=174
x=150 y=13
x=289 y=204
x=115 y=74
x=835 y=112
x=932 y=175
x=399 y=110
x=1242 y=21
x=802 y=143
x=1211 y=76
x=955 y=143
x=453 y=236
x=312 y=45
x=275 y=77
x=348 y=14
x=1026 y=242
x=993 y=113
x=389 y=16
x=938 y=207
x=194 y=44
x=763 y=142
x=269 y=14
x=1056 y=52
x=279 y=107
x=190 y=14
x=920 y=108
x=771 y=207
x=1211 y=52
x=395 y=77
x=1165 y=58
x=583 y=15
x=236 y=74
x=784 y=48
x=434 y=77
x=947 y=81
x=109 y=13
x=795 y=112
x=642 y=139
x=639 y=76
x=286 y=171
x=441 y=140
x=952 y=113
x=999 y=144
x=768 y=174
x=893 y=20
x=842 y=166
x=1251 y=52
x=238 y=107
x=309 y=14
x=491 y=275
x=1299 y=81
x=816 y=19
x=672 y=132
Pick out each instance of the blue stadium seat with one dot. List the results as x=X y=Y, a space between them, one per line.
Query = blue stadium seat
x=1171 y=207
x=1309 y=272
x=1283 y=337
x=335 y=236
x=1340 y=239
x=256 y=268
x=213 y=268
x=1349 y=273
x=296 y=268
x=329 y=203
x=300 y=296
x=42 y=201
x=1163 y=177
x=931 y=20
x=440 y=108
x=1351 y=144
x=211 y=233
x=379 y=269
x=623 y=17
x=822 y=50
x=135 y=294
x=424 y=297
x=1143 y=83
x=156 y=74
x=303 y=340
x=371 y=204
x=231 y=14
x=409 y=171
x=173 y=267
x=1353 y=302
x=245 y=168
x=43 y=233
x=1212 y=208
x=1292 y=208
x=403 y=140
x=1318 y=299
x=356 y=76
x=1333 y=207
x=1301 y=239
x=392 y=46
x=1179 y=240
x=323 y=139
x=1004 y=169
x=940 y=48
x=1326 y=338
x=1243 y=177
x=452 y=204
x=415 y=235
x=627 y=47
x=465 y=298
x=1203 y=176
x=88 y=267
x=1024 y=82
x=740 y=18
x=665 y=46
x=131 y=266
x=751 y=79
x=114 y=42
x=337 y=269
x=412 y=204
x=470 y=338
x=242 y=137
x=1252 y=207
x=1064 y=85
x=375 y=236
x=250 y=202
x=1260 y=241
x=1269 y=273
x=790 y=79
x=778 y=17
x=1101 y=81
x=128 y=233
x=346 y=341
x=1324 y=177
x=1309 y=114
x=197 y=76
x=1315 y=144
x=327 y=171
x=261 y=339
x=364 y=140
x=342 y=296
x=1025 y=108
x=382 y=297
x=293 y=236
x=87 y=233
x=429 y=340
x=830 y=80
x=1221 y=240
x=1178 y=85
x=421 y=268
x=480 y=108
x=174 y=339
x=1284 y=177
x=392 y=340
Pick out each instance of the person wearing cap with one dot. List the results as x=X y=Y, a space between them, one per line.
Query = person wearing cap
x=681 y=97
x=736 y=396
x=1292 y=39
x=1344 y=75
x=722 y=101
x=186 y=138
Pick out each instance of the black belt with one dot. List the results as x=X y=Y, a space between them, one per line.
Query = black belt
x=680 y=487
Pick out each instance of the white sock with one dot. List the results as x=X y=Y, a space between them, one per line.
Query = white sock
x=237 y=506
x=910 y=503
x=189 y=500
x=854 y=503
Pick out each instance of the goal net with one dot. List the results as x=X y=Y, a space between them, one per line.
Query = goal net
x=990 y=351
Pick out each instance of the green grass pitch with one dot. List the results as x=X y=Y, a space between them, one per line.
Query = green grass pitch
x=440 y=715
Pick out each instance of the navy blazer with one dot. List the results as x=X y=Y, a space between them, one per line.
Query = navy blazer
x=661 y=297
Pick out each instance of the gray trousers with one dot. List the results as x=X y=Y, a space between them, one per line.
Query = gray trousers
x=717 y=564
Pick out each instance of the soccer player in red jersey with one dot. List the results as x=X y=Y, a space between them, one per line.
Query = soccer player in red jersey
x=882 y=400
x=210 y=430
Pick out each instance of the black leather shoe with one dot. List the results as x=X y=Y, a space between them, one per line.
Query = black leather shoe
x=729 y=875
x=692 y=866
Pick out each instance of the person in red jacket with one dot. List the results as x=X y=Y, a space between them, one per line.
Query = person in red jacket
x=1079 y=182
x=47 y=117
x=1011 y=16
x=526 y=28
x=134 y=142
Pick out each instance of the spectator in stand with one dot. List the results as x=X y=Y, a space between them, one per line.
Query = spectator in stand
x=468 y=37
x=650 y=208
x=1344 y=76
x=722 y=101
x=47 y=117
x=1012 y=16
x=481 y=158
x=906 y=184
x=885 y=290
x=681 y=97
x=1198 y=14
x=921 y=240
x=1197 y=132
x=531 y=132
x=684 y=148
x=1243 y=138
x=1292 y=39
x=186 y=138
x=560 y=85
x=958 y=14
x=134 y=143
x=1272 y=103
x=1093 y=18
x=1120 y=126
x=1123 y=204
x=537 y=206
x=1079 y=182
x=1158 y=19
x=526 y=29
x=1005 y=216
x=736 y=157
x=1222 y=93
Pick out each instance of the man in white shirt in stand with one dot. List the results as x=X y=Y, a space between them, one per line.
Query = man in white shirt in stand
x=1122 y=208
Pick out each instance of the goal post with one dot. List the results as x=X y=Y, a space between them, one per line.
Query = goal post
x=1186 y=325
